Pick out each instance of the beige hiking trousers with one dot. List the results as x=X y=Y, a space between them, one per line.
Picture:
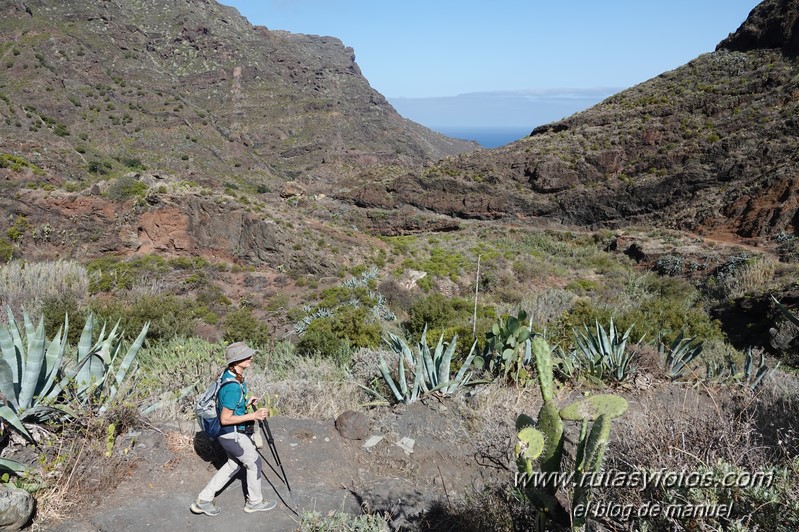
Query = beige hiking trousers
x=241 y=452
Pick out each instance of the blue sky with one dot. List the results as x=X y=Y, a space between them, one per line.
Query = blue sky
x=526 y=59
x=424 y=48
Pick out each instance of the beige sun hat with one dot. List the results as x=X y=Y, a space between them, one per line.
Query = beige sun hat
x=238 y=351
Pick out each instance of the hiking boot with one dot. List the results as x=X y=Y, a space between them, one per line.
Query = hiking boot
x=204 y=507
x=259 y=507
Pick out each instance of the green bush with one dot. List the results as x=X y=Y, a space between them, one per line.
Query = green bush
x=335 y=336
x=7 y=250
x=169 y=315
x=657 y=307
x=126 y=187
x=449 y=316
x=97 y=167
x=321 y=339
x=109 y=273
x=17 y=230
x=242 y=325
x=172 y=365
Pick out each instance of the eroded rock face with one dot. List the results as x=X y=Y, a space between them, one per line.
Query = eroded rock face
x=190 y=225
x=772 y=24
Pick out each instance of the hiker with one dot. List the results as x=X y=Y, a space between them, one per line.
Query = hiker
x=235 y=437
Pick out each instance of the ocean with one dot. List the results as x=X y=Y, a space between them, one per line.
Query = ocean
x=487 y=137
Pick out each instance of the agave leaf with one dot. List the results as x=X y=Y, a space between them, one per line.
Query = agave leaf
x=125 y=365
x=9 y=351
x=12 y=466
x=602 y=338
x=420 y=385
x=435 y=362
x=12 y=417
x=16 y=338
x=387 y=376
x=7 y=384
x=403 y=383
x=427 y=359
x=785 y=312
x=107 y=346
x=85 y=342
x=444 y=365
x=461 y=372
x=33 y=364
x=53 y=358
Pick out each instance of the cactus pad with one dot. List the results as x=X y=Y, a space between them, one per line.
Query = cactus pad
x=529 y=445
x=592 y=407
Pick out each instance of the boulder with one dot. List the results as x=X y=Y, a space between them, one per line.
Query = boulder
x=353 y=425
x=16 y=507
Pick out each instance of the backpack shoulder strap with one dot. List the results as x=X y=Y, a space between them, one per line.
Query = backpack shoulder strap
x=229 y=381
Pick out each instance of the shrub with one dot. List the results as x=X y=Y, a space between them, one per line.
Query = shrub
x=17 y=230
x=336 y=335
x=242 y=325
x=97 y=167
x=449 y=316
x=30 y=285
x=126 y=187
x=7 y=250
x=175 y=364
x=321 y=339
x=169 y=315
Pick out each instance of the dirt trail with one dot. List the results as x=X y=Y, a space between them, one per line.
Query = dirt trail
x=326 y=473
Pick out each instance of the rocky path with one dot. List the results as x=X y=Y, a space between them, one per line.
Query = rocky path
x=326 y=472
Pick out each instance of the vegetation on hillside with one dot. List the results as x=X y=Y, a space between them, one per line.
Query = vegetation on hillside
x=381 y=333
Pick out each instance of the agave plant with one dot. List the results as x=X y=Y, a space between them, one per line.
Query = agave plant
x=431 y=370
x=93 y=374
x=750 y=375
x=28 y=370
x=605 y=352
x=681 y=353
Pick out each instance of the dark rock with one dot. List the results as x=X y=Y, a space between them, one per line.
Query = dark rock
x=772 y=24
x=353 y=425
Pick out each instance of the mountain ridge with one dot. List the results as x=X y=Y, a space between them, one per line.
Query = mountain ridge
x=710 y=147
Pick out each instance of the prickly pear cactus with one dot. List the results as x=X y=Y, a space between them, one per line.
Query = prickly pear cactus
x=550 y=424
x=529 y=445
x=543 y=363
x=592 y=407
x=592 y=453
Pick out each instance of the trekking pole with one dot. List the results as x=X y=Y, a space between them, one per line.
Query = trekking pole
x=267 y=432
x=273 y=448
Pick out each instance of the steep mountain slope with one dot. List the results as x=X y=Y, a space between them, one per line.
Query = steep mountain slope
x=189 y=87
x=711 y=146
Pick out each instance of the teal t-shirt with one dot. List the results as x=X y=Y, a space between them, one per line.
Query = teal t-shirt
x=232 y=395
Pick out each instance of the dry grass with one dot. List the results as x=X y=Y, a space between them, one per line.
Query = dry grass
x=755 y=277
x=75 y=470
x=314 y=388
x=27 y=285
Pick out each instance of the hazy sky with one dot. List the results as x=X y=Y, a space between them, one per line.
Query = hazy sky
x=435 y=48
